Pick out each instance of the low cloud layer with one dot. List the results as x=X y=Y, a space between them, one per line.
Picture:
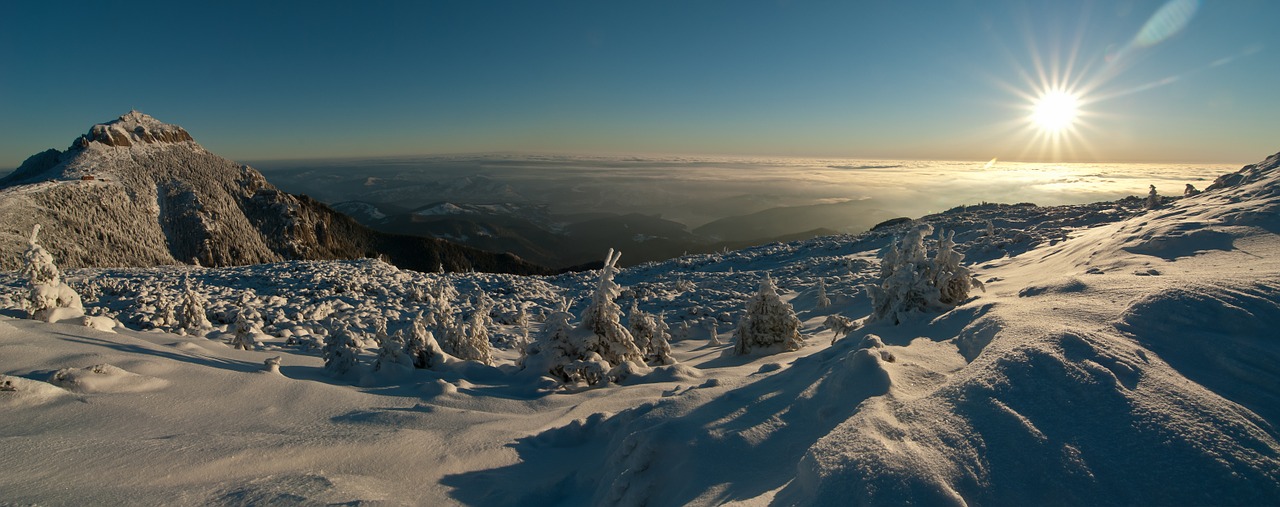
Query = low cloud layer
x=695 y=190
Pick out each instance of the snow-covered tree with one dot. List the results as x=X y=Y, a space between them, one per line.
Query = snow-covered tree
x=823 y=300
x=421 y=346
x=557 y=347
x=652 y=336
x=1190 y=190
x=340 y=350
x=46 y=292
x=769 y=323
x=593 y=350
x=247 y=322
x=392 y=350
x=603 y=317
x=659 y=350
x=192 y=319
x=1153 y=199
x=470 y=340
x=911 y=281
x=712 y=329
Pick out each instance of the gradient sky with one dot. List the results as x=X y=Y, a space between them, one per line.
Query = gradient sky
x=875 y=79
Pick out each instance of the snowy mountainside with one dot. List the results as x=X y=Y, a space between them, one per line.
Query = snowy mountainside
x=1119 y=355
x=138 y=192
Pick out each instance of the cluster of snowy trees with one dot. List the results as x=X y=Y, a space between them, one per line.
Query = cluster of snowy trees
x=593 y=348
x=911 y=281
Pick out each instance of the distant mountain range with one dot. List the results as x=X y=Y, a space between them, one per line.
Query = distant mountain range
x=139 y=192
x=563 y=241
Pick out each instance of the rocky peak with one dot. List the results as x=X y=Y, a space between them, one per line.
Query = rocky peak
x=134 y=128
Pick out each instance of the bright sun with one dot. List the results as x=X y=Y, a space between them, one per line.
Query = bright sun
x=1054 y=111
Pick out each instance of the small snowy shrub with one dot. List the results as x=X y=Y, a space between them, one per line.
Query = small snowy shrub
x=910 y=281
x=1153 y=199
x=652 y=336
x=192 y=318
x=470 y=340
x=421 y=346
x=392 y=351
x=769 y=324
x=247 y=323
x=46 y=292
x=340 y=350
x=595 y=348
x=1191 y=190
x=823 y=300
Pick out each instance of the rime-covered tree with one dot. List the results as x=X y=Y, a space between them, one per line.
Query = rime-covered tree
x=192 y=319
x=421 y=346
x=340 y=351
x=823 y=300
x=651 y=335
x=641 y=326
x=392 y=349
x=659 y=349
x=769 y=323
x=470 y=339
x=1191 y=190
x=46 y=292
x=714 y=332
x=603 y=319
x=556 y=348
x=1153 y=199
x=247 y=322
x=911 y=281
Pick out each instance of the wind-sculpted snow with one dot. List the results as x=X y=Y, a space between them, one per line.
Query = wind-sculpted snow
x=1117 y=357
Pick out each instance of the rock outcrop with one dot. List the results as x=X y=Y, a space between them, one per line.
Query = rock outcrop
x=138 y=192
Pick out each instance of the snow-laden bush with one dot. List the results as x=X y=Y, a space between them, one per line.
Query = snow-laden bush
x=470 y=340
x=652 y=336
x=393 y=351
x=593 y=350
x=192 y=319
x=421 y=346
x=911 y=281
x=340 y=350
x=1153 y=199
x=603 y=319
x=769 y=324
x=46 y=292
x=822 y=300
x=247 y=322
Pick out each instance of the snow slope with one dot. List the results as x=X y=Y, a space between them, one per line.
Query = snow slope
x=1118 y=356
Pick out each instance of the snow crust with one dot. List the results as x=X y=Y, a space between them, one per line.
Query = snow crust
x=1118 y=356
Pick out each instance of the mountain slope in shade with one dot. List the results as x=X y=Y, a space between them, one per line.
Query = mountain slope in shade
x=139 y=192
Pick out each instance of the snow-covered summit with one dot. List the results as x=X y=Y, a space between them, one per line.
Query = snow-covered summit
x=133 y=128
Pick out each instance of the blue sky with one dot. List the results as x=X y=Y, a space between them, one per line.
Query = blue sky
x=878 y=79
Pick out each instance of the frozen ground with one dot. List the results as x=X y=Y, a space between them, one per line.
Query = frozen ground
x=1118 y=356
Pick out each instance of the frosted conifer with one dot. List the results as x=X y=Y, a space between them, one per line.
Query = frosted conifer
x=392 y=349
x=46 y=291
x=340 y=350
x=911 y=282
x=421 y=346
x=470 y=340
x=769 y=323
x=659 y=349
x=246 y=325
x=1153 y=199
x=602 y=319
x=823 y=300
x=192 y=318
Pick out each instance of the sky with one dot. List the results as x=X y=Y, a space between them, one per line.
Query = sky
x=1156 y=81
